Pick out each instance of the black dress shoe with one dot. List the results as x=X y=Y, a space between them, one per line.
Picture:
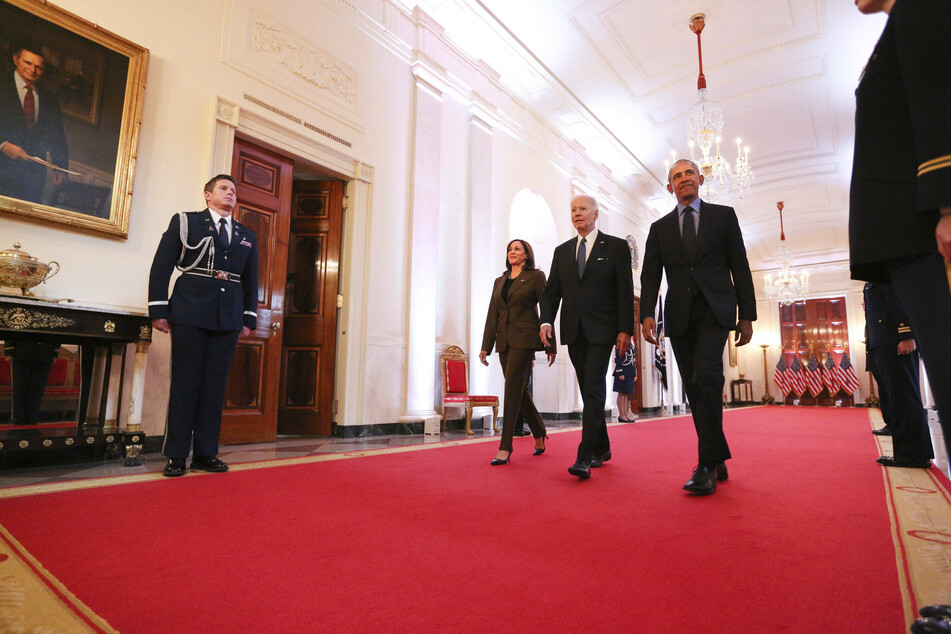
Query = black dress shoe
x=931 y=626
x=174 y=468
x=936 y=612
x=884 y=431
x=521 y=432
x=888 y=461
x=597 y=461
x=580 y=469
x=703 y=481
x=722 y=473
x=209 y=463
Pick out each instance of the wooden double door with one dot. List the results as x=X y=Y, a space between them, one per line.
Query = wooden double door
x=282 y=376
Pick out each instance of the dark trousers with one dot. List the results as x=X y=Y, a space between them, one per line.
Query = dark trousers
x=201 y=360
x=517 y=367
x=921 y=285
x=699 y=354
x=909 y=423
x=884 y=398
x=590 y=361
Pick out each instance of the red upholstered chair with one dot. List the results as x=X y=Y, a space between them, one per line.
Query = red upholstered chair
x=455 y=387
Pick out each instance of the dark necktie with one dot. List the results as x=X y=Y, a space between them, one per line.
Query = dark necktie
x=582 y=252
x=690 y=232
x=223 y=231
x=29 y=107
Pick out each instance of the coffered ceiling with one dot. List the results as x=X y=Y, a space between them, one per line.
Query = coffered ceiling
x=619 y=75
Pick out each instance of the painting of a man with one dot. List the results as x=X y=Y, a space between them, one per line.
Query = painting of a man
x=31 y=126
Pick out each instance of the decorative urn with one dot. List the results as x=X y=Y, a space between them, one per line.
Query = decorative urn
x=21 y=270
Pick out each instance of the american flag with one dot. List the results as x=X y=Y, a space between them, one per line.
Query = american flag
x=813 y=376
x=846 y=374
x=796 y=379
x=780 y=377
x=830 y=376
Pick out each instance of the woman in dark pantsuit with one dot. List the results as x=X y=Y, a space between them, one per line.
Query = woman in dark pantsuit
x=512 y=327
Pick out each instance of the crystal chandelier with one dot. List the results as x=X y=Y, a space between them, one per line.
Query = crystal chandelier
x=786 y=288
x=723 y=182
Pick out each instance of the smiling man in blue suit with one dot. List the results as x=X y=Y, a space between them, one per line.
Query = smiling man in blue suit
x=700 y=247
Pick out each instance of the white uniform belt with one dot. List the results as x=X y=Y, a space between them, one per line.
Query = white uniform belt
x=218 y=275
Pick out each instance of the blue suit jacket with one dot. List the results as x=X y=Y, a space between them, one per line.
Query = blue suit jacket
x=201 y=301
x=25 y=179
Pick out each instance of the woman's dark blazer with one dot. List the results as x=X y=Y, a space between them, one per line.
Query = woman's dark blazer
x=515 y=324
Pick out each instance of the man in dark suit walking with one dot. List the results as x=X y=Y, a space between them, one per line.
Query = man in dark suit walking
x=212 y=305
x=31 y=124
x=700 y=247
x=591 y=279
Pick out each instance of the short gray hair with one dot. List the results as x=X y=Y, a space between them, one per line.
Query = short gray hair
x=696 y=167
x=591 y=200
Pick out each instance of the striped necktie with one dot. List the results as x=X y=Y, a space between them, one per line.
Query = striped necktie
x=29 y=107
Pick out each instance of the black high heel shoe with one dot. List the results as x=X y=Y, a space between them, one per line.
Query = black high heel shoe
x=497 y=461
x=540 y=451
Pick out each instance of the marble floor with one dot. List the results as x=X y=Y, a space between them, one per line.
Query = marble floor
x=294 y=447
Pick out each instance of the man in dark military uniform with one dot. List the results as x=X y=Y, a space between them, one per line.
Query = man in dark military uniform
x=891 y=345
x=212 y=305
x=900 y=201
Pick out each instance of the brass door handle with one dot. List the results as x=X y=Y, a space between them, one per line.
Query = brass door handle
x=276 y=325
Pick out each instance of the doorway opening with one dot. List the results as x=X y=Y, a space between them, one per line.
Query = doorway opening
x=282 y=376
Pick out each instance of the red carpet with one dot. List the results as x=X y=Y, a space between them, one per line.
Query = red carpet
x=798 y=540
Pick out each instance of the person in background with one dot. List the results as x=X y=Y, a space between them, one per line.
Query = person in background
x=625 y=379
x=892 y=347
x=511 y=327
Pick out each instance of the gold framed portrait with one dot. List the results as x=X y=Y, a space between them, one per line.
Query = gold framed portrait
x=71 y=97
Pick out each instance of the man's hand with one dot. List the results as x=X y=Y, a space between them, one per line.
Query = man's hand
x=482 y=356
x=245 y=331
x=906 y=346
x=160 y=324
x=15 y=152
x=943 y=234
x=545 y=334
x=551 y=358
x=647 y=329
x=623 y=343
x=744 y=332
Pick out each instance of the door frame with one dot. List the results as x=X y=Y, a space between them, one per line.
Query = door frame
x=300 y=144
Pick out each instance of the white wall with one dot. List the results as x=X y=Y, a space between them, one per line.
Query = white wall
x=199 y=53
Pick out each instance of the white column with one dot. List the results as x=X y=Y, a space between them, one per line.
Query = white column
x=354 y=282
x=134 y=421
x=423 y=254
x=482 y=260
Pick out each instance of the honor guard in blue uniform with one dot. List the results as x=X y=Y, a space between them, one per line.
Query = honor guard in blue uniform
x=212 y=305
x=892 y=347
